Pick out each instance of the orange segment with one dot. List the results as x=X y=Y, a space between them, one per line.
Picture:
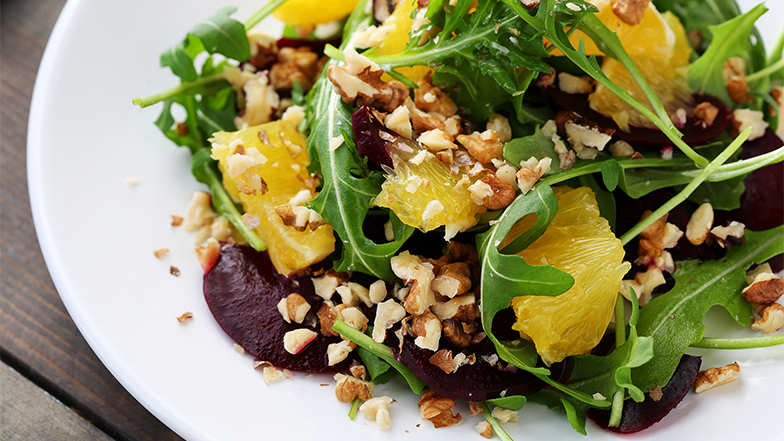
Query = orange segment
x=581 y=243
x=397 y=39
x=427 y=195
x=283 y=168
x=313 y=12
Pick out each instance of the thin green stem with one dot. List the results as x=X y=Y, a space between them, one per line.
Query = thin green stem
x=334 y=53
x=616 y=412
x=760 y=74
x=262 y=13
x=186 y=88
x=739 y=343
x=498 y=429
x=777 y=49
x=352 y=413
x=620 y=321
x=688 y=190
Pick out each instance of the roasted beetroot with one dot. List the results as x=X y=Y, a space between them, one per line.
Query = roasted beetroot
x=478 y=382
x=639 y=416
x=693 y=132
x=243 y=290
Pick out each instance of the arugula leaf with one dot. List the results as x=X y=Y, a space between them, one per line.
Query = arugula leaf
x=674 y=319
x=513 y=402
x=575 y=410
x=348 y=186
x=179 y=61
x=505 y=276
x=223 y=35
x=536 y=145
x=729 y=40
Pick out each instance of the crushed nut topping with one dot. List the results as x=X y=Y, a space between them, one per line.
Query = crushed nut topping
x=185 y=316
x=766 y=288
x=530 y=172
x=430 y=98
x=713 y=377
x=772 y=319
x=361 y=81
x=348 y=388
x=700 y=224
x=437 y=409
x=296 y=340
x=571 y=84
x=485 y=429
x=295 y=65
x=377 y=409
x=745 y=118
x=706 y=113
x=734 y=73
x=630 y=12
x=161 y=252
x=484 y=147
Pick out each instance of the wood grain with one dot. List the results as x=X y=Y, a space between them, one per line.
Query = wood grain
x=37 y=336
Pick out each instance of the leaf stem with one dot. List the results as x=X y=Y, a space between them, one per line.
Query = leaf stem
x=380 y=350
x=688 y=190
x=760 y=74
x=262 y=13
x=739 y=343
x=352 y=413
x=498 y=429
x=185 y=88
x=620 y=321
x=616 y=412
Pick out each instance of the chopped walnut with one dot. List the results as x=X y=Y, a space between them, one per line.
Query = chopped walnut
x=377 y=409
x=706 y=113
x=484 y=147
x=743 y=119
x=621 y=148
x=485 y=429
x=208 y=255
x=387 y=314
x=452 y=280
x=443 y=360
x=630 y=11
x=297 y=307
x=348 y=388
x=546 y=79
x=729 y=236
x=708 y=379
x=353 y=317
x=505 y=415
x=295 y=65
x=185 y=316
x=752 y=273
x=658 y=236
x=530 y=172
x=176 y=221
x=462 y=308
x=412 y=270
x=337 y=352
x=296 y=340
x=432 y=99
x=263 y=49
x=399 y=121
x=160 y=253
x=260 y=101
x=501 y=193
x=734 y=73
x=700 y=224
x=327 y=315
x=427 y=330
x=326 y=284
x=296 y=215
x=437 y=409
x=199 y=212
x=174 y=271
x=454 y=332
x=372 y=36
x=649 y=280
x=777 y=92
x=361 y=81
x=500 y=124
x=436 y=140
x=772 y=319
x=766 y=288
x=574 y=85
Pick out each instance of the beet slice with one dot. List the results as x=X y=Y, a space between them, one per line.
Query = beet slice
x=478 y=382
x=242 y=291
x=693 y=132
x=639 y=416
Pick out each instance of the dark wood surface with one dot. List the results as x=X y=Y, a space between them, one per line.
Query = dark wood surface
x=38 y=339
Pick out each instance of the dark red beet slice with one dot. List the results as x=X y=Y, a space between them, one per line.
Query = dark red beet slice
x=693 y=132
x=477 y=382
x=762 y=204
x=243 y=290
x=316 y=46
x=367 y=133
x=639 y=416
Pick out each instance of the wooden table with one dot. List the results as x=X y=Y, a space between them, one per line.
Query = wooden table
x=52 y=386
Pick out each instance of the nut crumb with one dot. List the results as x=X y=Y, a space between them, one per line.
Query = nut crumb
x=162 y=252
x=185 y=316
x=708 y=379
x=174 y=271
x=176 y=221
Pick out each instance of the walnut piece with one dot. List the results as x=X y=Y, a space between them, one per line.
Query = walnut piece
x=713 y=377
x=571 y=84
x=772 y=319
x=337 y=352
x=361 y=81
x=766 y=288
x=443 y=360
x=729 y=236
x=484 y=147
x=452 y=280
x=455 y=334
x=530 y=172
x=387 y=314
x=427 y=329
x=432 y=99
x=296 y=340
x=734 y=73
x=419 y=274
x=462 y=308
x=348 y=388
x=485 y=429
x=700 y=224
x=502 y=193
x=377 y=409
x=706 y=113
x=437 y=409
x=297 y=307
x=295 y=65
x=327 y=315
x=630 y=12
x=747 y=118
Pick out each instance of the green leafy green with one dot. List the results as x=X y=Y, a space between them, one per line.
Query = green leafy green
x=729 y=40
x=348 y=186
x=674 y=319
x=223 y=35
x=382 y=351
x=514 y=402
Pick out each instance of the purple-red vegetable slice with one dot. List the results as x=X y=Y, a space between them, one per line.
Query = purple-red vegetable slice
x=242 y=291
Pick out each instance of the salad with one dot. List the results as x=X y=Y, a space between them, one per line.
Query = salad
x=497 y=202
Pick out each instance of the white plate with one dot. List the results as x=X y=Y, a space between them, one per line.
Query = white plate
x=98 y=234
